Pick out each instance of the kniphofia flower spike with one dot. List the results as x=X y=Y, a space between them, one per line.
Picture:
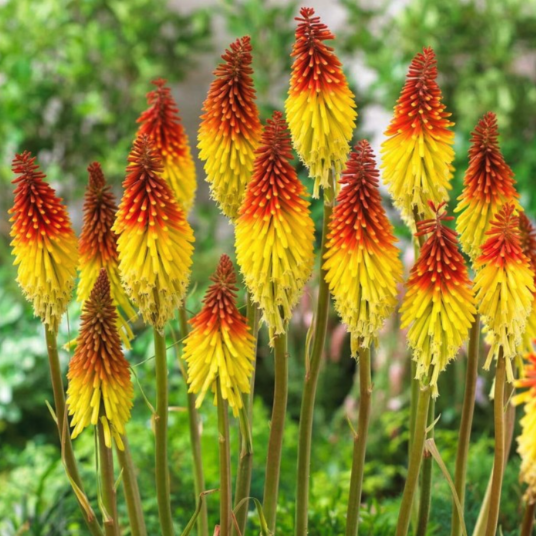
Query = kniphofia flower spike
x=220 y=344
x=44 y=244
x=504 y=285
x=275 y=232
x=417 y=156
x=162 y=125
x=230 y=128
x=488 y=185
x=439 y=306
x=362 y=263
x=99 y=375
x=527 y=234
x=155 y=240
x=320 y=107
x=98 y=248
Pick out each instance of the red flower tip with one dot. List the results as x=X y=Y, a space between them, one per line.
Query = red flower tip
x=220 y=298
x=311 y=29
x=225 y=274
x=159 y=82
x=361 y=166
x=275 y=139
x=96 y=176
x=485 y=136
x=423 y=68
x=100 y=295
x=237 y=61
x=144 y=155
x=24 y=164
x=435 y=225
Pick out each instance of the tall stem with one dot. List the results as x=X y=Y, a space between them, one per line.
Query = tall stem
x=311 y=380
x=225 y=464
x=131 y=490
x=245 y=462
x=195 y=439
x=65 y=438
x=360 y=443
x=161 y=432
x=425 y=501
x=528 y=519
x=277 y=427
x=414 y=461
x=498 y=461
x=106 y=468
x=464 y=436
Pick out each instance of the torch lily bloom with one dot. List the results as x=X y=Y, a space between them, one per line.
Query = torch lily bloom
x=439 y=306
x=44 y=244
x=488 y=185
x=275 y=232
x=418 y=154
x=362 y=263
x=505 y=288
x=230 y=128
x=98 y=248
x=320 y=107
x=155 y=240
x=161 y=123
x=527 y=234
x=99 y=375
x=220 y=344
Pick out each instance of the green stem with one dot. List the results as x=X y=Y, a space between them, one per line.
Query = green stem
x=107 y=481
x=277 y=427
x=360 y=443
x=161 y=432
x=528 y=519
x=195 y=439
x=245 y=462
x=310 y=383
x=131 y=490
x=69 y=459
x=425 y=501
x=414 y=461
x=499 y=460
x=225 y=464
x=464 y=436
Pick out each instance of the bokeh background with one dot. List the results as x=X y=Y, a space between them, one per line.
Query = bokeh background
x=73 y=79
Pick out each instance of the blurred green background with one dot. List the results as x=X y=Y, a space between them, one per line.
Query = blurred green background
x=73 y=78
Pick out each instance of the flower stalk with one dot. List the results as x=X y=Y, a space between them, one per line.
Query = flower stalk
x=225 y=463
x=528 y=519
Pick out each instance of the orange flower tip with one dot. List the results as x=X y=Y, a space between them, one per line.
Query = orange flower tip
x=96 y=176
x=144 y=155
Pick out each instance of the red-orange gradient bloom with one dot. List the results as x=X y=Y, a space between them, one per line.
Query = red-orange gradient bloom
x=417 y=156
x=362 y=263
x=161 y=123
x=220 y=345
x=275 y=232
x=98 y=248
x=527 y=234
x=505 y=288
x=439 y=306
x=320 y=107
x=99 y=375
x=44 y=244
x=488 y=185
x=155 y=240
x=230 y=129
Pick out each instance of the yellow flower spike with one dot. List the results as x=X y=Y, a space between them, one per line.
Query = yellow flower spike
x=155 y=240
x=527 y=234
x=44 y=244
x=439 y=306
x=161 y=123
x=275 y=232
x=220 y=345
x=362 y=263
x=99 y=375
x=320 y=107
x=505 y=288
x=98 y=249
x=417 y=155
x=230 y=128
x=488 y=185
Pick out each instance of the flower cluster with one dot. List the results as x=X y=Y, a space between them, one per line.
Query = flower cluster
x=220 y=345
x=439 y=306
x=162 y=125
x=230 y=129
x=44 y=244
x=418 y=154
x=275 y=232
x=155 y=240
x=100 y=387
x=320 y=107
x=362 y=263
